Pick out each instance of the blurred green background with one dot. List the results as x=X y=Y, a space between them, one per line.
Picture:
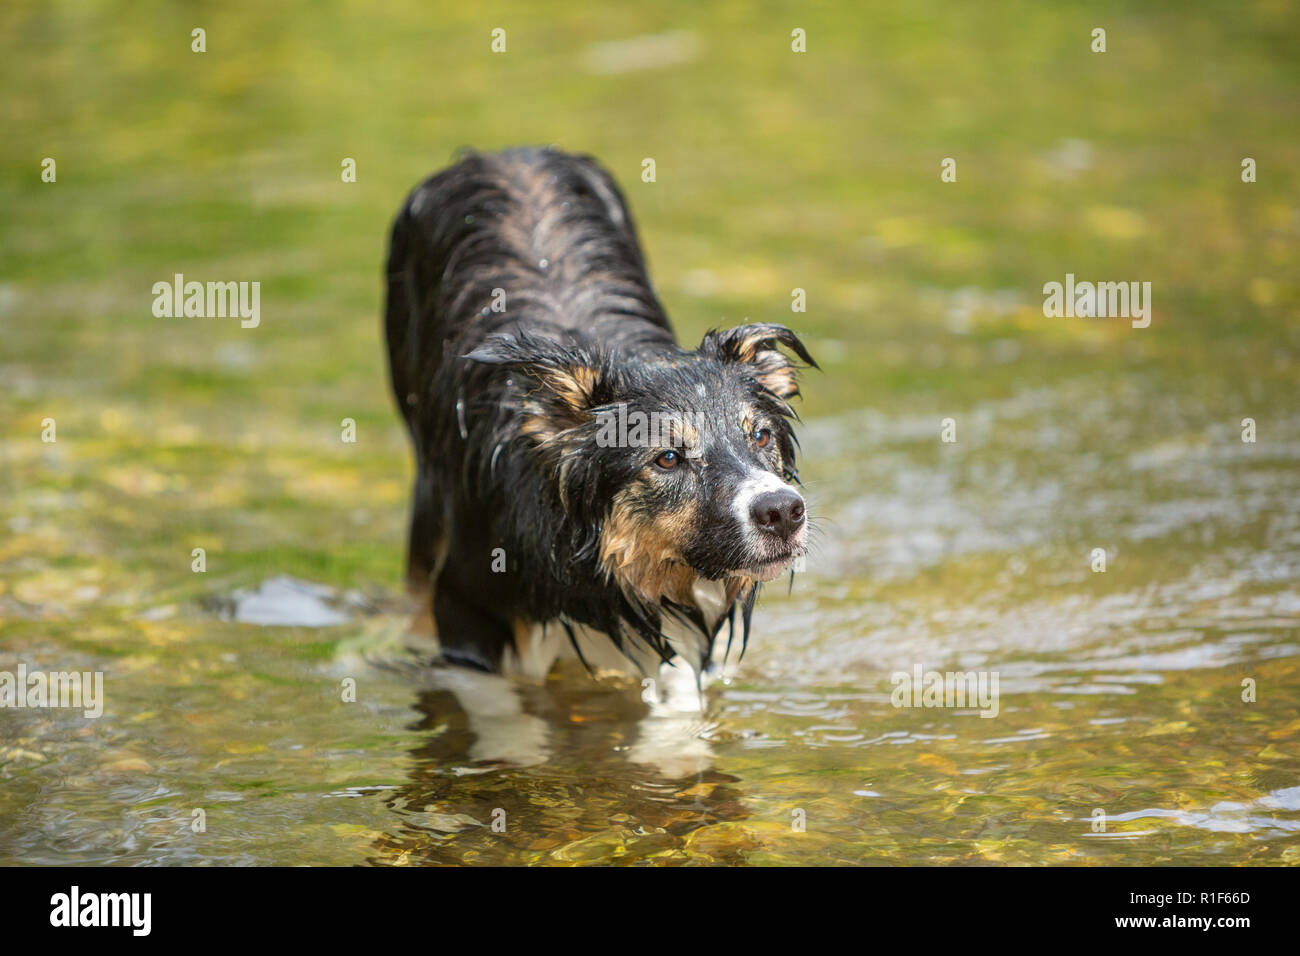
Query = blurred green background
x=776 y=170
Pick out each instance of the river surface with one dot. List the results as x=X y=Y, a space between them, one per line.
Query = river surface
x=1146 y=714
x=181 y=509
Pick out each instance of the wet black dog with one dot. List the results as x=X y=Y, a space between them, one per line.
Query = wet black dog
x=583 y=482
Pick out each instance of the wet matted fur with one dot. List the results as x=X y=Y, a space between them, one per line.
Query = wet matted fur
x=520 y=322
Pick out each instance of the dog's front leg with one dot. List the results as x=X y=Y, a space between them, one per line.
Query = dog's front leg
x=468 y=634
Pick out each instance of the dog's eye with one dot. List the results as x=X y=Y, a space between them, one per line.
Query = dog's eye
x=668 y=460
x=762 y=437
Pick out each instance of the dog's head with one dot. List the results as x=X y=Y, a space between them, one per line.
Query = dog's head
x=682 y=467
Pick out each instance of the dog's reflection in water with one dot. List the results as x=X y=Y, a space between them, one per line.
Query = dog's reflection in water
x=662 y=725
x=559 y=770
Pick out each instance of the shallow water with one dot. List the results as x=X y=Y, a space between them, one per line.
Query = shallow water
x=1120 y=691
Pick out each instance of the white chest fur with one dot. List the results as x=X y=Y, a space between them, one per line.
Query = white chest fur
x=675 y=684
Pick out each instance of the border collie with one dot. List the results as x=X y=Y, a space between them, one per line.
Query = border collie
x=584 y=485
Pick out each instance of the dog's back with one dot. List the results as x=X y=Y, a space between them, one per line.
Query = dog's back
x=526 y=236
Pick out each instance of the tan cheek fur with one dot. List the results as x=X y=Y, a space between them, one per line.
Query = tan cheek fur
x=643 y=554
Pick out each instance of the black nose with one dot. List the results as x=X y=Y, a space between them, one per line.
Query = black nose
x=780 y=512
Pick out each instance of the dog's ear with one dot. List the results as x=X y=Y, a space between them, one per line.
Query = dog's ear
x=570 y=381
x=756 y=345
